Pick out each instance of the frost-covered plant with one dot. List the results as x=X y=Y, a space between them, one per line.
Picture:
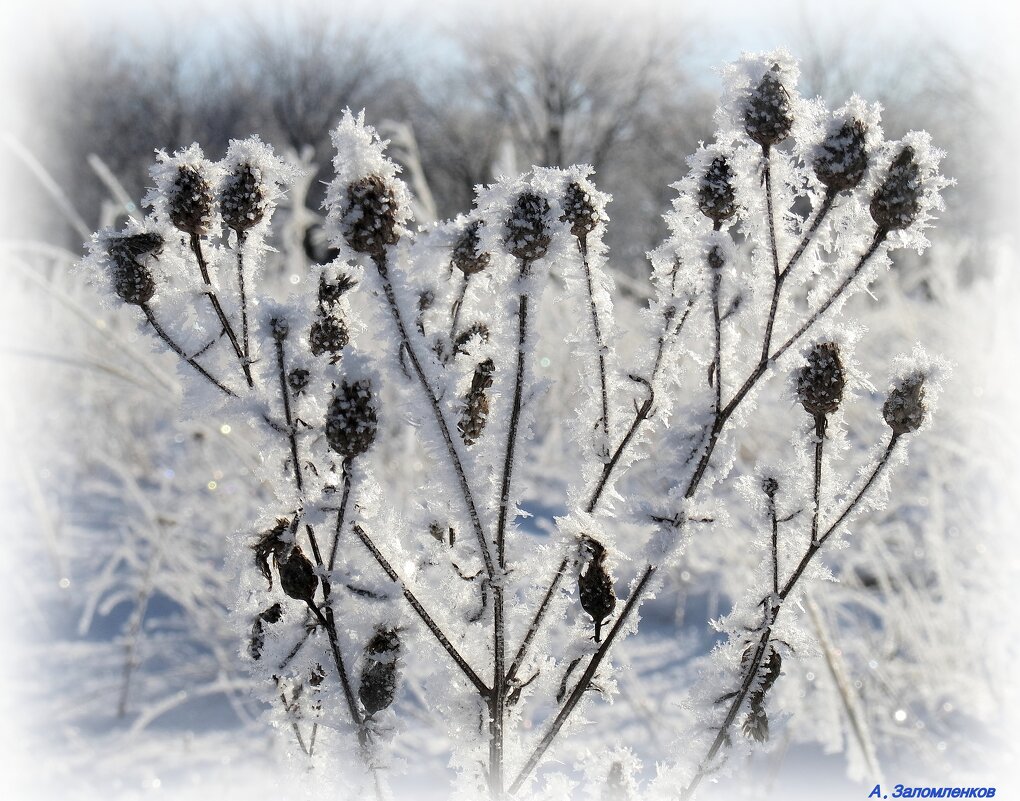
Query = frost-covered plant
x=790 y=211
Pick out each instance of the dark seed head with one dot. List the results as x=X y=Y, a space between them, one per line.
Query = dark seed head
x=904 y=409
x=352 y=420
x=478 y=331
x=466 y=255
x=190 y=201
x=769 y=486
x=756 y=723
x=767 y=114
x=328 y=334
x=820 y=383
x=527 y=227
x=898 y=200
x=717 y=198
x=269 y=544
x=579 y=211
x=280 y=328
x=132 y=281
x=379 y=671
x=258 y=630
x=595 y=585
x=243 y=199
x=297 y=575
x=297 y=380
x=369 y=221
x=842 y=158
x=330 y=292
x=476 y=403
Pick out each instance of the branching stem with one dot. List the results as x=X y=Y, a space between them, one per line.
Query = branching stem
x=172 y=344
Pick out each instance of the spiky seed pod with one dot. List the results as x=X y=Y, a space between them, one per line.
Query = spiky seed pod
x=369 y=221
x=280 y=328
x=297 y=575
x=527 y=228
x=756 y=723
x=131 y=246
x=379 y=671
x=297 y=380
x=904 y=409
x=330 y=292
x=717 y=199
x=842 y=158
x=768 y=116
x=475 y=330
x=466 y=256
x=579 y=211
x=133 y=281
x=897 y=201
x=243 y=199
x=352 y=420
x=269 y=544
x=820 y=383
x=770 y=486
x=258 y=629
x=595 y=585
x=476 y=403
x=328 y=334
x=189 y=201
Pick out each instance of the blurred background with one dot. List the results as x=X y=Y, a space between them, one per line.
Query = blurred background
x=121 y=672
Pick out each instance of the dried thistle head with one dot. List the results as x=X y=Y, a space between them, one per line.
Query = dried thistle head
x=820 y=383
x=269 y=544
x=189 y=201
x=297 y=380
x=280 y=328
x=476 y=403
x=479 y=331
x=466 y=256
x=896 y=203
x=352 y=420
x=717 y=199
x=328 y=334
x=527 y=228
x=768 y=116
x=297 y=575
x=595 y=585
x=258 y=629
x=842 y=158
x=579 y=211
x=243 y=199
x=770 y=486
x=133 y=281
x=904 y=409
x=369 y=221
x=378 y=684
x=330 y=292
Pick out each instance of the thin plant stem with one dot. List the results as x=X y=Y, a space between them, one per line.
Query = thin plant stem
x=600 y=345
x=419 y=609
x=340 y=514
x=817 y=484
x=172 y=344
x=695 y=480
x=457 y=305
x=641 y=414
x=196 y=247
x=441 y=422
x=773 y=611
x=774 y=524
x=245 y=342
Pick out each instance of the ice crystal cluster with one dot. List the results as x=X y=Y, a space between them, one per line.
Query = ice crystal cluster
x=791 y=210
